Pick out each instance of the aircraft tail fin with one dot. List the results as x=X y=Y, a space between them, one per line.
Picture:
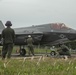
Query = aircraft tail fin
x=1 y=25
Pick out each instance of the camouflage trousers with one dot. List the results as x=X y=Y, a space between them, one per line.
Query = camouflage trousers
x=31 y=49
x=7 y=49
x=65 y=53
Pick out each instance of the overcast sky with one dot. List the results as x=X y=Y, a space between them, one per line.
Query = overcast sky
x=34 y=12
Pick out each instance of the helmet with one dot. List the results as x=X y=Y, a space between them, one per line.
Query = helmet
x=8 y=23
x=29 y=35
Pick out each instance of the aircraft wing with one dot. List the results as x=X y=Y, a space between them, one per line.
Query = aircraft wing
x=22 y=35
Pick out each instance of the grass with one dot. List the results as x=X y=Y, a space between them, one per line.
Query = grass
x=36 y=50
x=48 y=66
x=39 y=66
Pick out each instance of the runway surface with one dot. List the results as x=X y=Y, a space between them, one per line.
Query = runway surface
x=18 y=56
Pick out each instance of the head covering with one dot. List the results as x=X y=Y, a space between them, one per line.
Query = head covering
x=29 y=35
x=8 y=23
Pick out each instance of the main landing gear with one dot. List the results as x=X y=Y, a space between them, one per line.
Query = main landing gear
x=22 y=51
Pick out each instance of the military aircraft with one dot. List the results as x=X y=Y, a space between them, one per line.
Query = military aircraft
x=45 y=34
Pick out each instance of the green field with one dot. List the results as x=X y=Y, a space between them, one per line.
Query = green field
x=38 y=66
x=36 y=50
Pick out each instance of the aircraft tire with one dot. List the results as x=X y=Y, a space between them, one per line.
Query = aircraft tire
x=53 y=53
x=22 y=52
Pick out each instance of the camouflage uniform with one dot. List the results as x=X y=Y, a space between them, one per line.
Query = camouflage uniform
x=30 y=45
x=8 y=36
x=64 y=50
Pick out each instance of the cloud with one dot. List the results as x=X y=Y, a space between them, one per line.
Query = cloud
x=34 y=12
x=1 y=0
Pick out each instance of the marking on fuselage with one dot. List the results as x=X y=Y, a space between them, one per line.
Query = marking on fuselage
x=62 y=36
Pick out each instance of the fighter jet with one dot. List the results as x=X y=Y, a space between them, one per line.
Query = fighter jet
x=45 y=34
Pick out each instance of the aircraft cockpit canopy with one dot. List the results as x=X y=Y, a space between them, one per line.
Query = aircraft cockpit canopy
x=59 y=26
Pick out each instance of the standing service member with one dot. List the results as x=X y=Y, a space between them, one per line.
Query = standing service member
x=30 y=44
x=8 y=36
